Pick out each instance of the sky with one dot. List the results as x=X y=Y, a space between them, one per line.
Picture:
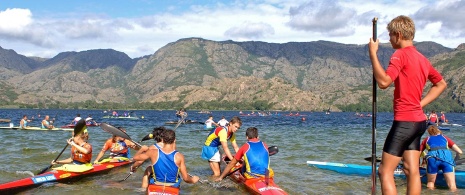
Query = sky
x=44 y=28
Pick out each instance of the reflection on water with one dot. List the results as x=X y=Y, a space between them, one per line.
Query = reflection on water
x=338 y=137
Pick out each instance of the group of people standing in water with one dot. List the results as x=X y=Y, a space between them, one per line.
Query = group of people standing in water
x=168 y=166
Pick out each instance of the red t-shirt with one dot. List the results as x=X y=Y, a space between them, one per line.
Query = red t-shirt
x=409 y=70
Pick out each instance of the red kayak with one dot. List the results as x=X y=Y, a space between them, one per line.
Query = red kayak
x=72 y=125
x=259 y=186
x=56 y=176
x=162 y=190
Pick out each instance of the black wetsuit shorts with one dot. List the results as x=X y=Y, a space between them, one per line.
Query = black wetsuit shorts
x=404 y=136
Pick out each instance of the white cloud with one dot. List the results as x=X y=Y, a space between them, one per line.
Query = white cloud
x=277 y=21
x=326 y=17
x=248 y=30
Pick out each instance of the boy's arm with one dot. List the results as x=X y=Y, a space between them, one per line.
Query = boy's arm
x=140 y=157
x=383 y=79
x=182 y=168
x=226 y=149
x=433 y=93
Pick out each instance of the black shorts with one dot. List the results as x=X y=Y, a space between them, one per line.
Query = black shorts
x=404 y=136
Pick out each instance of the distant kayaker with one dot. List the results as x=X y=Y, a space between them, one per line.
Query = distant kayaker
x=210 y=123
x=223 y=122
x=409 y=70
x=168 y=164
x=442 y=118
x=219 y=137
x=181 y=114
x=118 y=146
x=439 y=157
x=90 y=120
x=23 y=122
x=255 y=157
x=46 y=123
x=433 y=118
x=76 y=119
x=81 y=151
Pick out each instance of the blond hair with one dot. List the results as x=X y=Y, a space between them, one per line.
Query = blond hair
x=433 y=130
x=403 y=25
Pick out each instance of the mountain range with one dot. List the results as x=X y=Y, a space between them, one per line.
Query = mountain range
x=196 y=73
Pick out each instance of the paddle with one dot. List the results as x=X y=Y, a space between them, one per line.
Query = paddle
x=373 y=120
x=179 y=122
x=115 y=131
x=272 y=150
x=80 y=127
x=369 y=159
x=5 y=120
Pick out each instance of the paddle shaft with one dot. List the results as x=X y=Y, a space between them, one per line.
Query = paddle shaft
x=179 y=122
x=50 y=166
x=130 y=173
x=373 y=120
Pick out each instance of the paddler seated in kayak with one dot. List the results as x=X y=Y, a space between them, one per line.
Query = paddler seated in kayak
x=81 y=151
x=439 y=157
x=119 y=148
x=23 y=122
x=168 y=164
x=76 y=119
x=217 y=137
x=157 y=136
x=433 y=118
x=46 y=123
x=223 y=122
x=210 y=122
x=90 y=121
x=255 y=155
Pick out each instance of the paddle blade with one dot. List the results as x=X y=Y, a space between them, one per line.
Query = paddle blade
x=45 y=170
x=272 y=150
x=378 y=159
x=147 y=137
x=113 y=130
x=80 y=127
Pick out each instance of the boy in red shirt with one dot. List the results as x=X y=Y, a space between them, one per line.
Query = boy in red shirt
x=409 y=70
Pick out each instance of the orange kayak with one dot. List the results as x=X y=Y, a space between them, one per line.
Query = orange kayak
x=162 y=190
x=259 y=186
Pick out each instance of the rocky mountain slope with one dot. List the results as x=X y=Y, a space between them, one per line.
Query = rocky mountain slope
x=289 y=76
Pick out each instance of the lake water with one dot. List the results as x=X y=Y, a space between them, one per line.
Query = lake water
x=337 y=137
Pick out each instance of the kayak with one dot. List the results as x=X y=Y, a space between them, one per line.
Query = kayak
x=72 y=126
x=38 y=128
x=185 y=122
x=2 y=120
x=449 y=124
x=261 y=186
x=443 y=128
x=365 y=170
x=57 y=175
x=153 y=189
x=122 y=117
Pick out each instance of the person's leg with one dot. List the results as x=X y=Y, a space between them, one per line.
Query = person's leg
x=431 y=170
x=145 y=178
x=412 y=171
x=449 y=175
x=386 y=170
x=450 y=179
x=215 y=166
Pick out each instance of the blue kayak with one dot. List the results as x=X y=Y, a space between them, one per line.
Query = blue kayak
x=443 y=128
x=365 y=170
